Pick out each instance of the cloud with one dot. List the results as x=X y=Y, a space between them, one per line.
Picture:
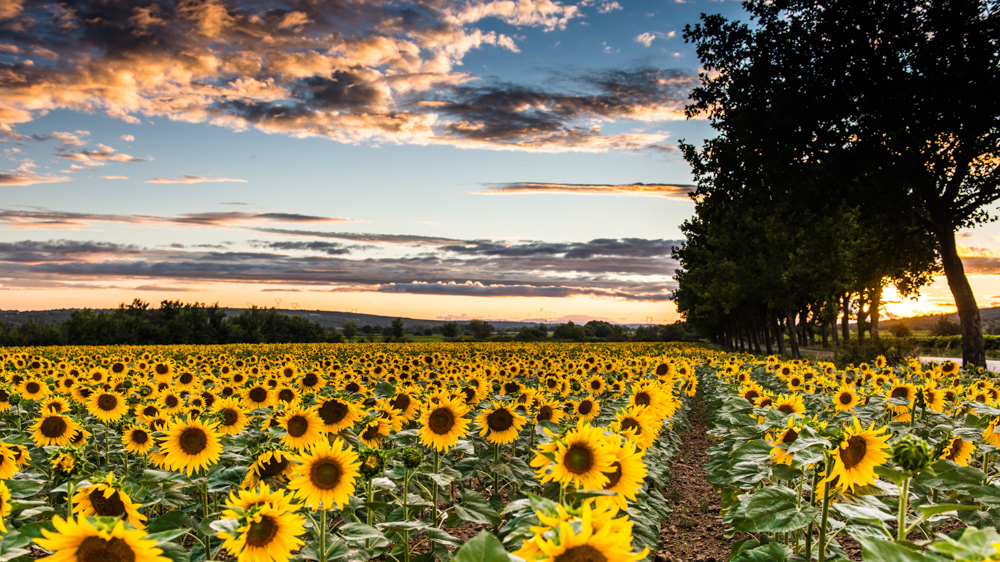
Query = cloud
x=194 y=179
x=61 y=219
x=160 y=288
x=673 y=191
x=401 y=239
x=630 y=269
x=115 y=177
x=361 y=72
x=24 y=176
x=99 y=157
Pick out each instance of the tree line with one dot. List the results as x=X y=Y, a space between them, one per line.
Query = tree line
x=855 y=140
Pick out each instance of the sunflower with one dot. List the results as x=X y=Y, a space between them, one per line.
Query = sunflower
x=949 y=368
x=53 y=430
x=638 y=424
x=600 y=538
x=934 y=398
x=751 y=392
x=137 y=439
x=371 y=433
x=31 y=389
x=337 y=414
x=789 y=404
x=287 y=395
x=232 y=418
x=627 y=471
x=8 y=466
x=583 y=458
x=191 y=446
x=55 y=405
x=272 y=463
x=21 y=456
x=548 y=410
x=500 y=424
x=107 y=499
x=325 y=477
x=845 y=399
x=787 y=437
x=959 y=451
x=596 y=385
x=442 y=425
x=258 y=396
x=586 y=409
x=903 y=391
x=312 y=381
x=107 y=406
x=170 y=402
x=858 y=455
x=82 y=541
x=264 y=534
x=407 y=405
x=79 y=438
x=5 y=506
x=303 y=428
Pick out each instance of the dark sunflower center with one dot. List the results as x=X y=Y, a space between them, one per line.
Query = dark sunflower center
x=288 y=372
x=230 y=416
x=956 y=449
x=53 y=427
x=162 y=369
x=325 y=474
x=854 y=453
x=310 y=380
x=258 y=394
x=171 y=401
x=846 y=398
x=107 y=402
x=441 y=421
x=32 y=387
x=186 y=378
x=629 y=423
x=585 y=407
x=332 y=412
x=579 y=458
x=545 y=413
x=511 y=387
x=751 y=396
x=766 y=402
x=262 y=532
x=901 y=392
x=298 y=426
x=286 y=395
x=193 y=440
x=615 y=476
x=272 y=468
x=139 y=437
x=117 y=368
x=595 y=384
x=661 y=369
x=352 y=387
x=790 y=436
x=786 y=409
x=642 y=399
x=107 y=507
x=370 y=432
x=96 y=549
x=500 y=420
x=401 y=402
x=150 y=411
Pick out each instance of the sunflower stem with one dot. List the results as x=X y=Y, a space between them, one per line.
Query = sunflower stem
x=496 y=459
x=322 y=536
x=371 y=512
x=823 y=521
x=406 y=516
x=434 y=493
x=70 y=488
x=812 y=502
x=904 y=493
x=204 y=499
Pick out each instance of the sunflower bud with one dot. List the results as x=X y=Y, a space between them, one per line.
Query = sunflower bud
x=911 y=453
x=14 y=399
x=412 y=457
x=372 y=463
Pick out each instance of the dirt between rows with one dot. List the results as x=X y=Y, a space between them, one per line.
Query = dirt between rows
x=694 y=532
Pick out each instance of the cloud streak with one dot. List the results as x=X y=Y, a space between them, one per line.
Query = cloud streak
x=61 y=219
x=195 y=179
x=673 y=191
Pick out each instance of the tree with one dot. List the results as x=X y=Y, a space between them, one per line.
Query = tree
x=397 y=330
x=899 y=94
x=569 y=331
x=350 y=330
x=900 y=330
x=480 y=329
x=945 y=327
x=449 y=329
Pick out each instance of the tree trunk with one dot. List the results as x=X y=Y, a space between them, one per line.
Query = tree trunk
x=767 y=334
x=862 y=316
x=793 y=336
x=826 y=334
x=779 y=336
x=803 y=328
x=973 y=352
x=873 y=308
x=845 y=321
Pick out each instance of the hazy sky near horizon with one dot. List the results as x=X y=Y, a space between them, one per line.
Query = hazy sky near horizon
x=487 y=158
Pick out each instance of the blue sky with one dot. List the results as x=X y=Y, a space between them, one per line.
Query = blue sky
x=514 y=159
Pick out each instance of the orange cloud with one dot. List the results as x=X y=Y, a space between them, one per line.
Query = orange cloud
x=673 y=191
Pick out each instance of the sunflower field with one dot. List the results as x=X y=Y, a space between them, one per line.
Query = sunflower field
x=897 y=462
x=262 y=453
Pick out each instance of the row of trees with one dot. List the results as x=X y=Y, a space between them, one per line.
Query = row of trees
x=854 y=141
x=173 y=322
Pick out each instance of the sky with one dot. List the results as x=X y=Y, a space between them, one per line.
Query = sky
x=495 y=159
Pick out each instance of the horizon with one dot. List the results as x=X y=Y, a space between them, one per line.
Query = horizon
x=485 y=160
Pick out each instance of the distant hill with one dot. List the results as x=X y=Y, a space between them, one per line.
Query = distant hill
x=329 y=319
x=987 y=315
